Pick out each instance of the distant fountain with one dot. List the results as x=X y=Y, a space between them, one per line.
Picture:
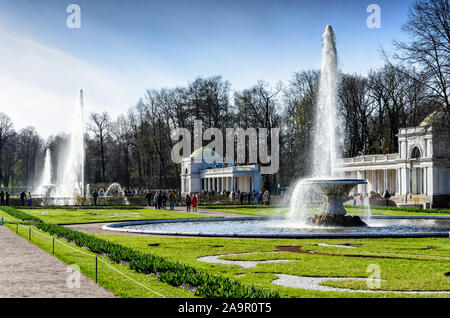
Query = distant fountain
x=88 y=195
x=68 y=189
x=70 y=186
x=46 y=188
x=47 y=173
x=115 y=189
x=326 y=150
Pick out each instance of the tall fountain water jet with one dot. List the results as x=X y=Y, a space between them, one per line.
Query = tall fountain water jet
x=46 y=178
x=325 y=143
x=70 y=185
x=325 y=152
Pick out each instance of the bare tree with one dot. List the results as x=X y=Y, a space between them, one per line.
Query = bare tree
x=99 y=126
x=428 y=50
x=6 y=129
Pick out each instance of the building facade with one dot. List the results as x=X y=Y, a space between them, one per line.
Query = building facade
x=418 y=175
x=205 y=170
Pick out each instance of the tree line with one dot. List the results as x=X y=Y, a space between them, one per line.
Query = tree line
x=134 y=148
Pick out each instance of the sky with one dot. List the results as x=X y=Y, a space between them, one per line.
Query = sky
x=123 y=48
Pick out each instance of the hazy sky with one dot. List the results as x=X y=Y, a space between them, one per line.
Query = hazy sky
x=125 y=47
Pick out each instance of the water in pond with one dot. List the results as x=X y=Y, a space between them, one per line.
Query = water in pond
x=282 y=227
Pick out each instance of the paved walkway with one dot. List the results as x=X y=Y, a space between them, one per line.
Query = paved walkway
x=28 y=271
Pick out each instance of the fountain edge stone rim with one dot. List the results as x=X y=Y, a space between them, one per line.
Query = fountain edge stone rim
x=117 y=227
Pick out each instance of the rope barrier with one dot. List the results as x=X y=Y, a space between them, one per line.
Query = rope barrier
x=99 y=258
x=131 y=278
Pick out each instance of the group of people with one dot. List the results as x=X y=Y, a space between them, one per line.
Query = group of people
x=160 y=199
x=364 y=198
x=255 y=197
x=24 y=197
x=4 y=198
x=191 y=201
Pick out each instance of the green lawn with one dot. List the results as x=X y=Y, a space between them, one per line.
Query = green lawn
x=76 y=216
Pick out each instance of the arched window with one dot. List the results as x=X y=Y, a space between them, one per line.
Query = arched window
x=415 y=153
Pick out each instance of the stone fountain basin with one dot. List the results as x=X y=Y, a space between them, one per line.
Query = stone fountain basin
x=335 y=192
x=333 y=186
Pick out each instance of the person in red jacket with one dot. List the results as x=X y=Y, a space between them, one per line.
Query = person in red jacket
x=194 y=203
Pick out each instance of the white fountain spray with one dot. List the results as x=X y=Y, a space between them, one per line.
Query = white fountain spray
x=325 y=143
x=71 y=184
x=46 y=178
x=326 y=146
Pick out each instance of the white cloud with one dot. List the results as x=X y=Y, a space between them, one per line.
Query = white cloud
x=39 y=85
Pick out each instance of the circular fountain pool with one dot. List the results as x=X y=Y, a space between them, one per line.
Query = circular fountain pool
x=254 y=227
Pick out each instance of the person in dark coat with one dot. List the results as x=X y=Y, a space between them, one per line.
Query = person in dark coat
x=188 y=203
x=23 y=196
x=7 y=198
x=160 y=200
x=387 y=195
x=2 y=198
x=95 y=196
x=148 y=196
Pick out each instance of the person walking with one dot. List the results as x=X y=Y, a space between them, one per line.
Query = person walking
x=95 y=196
x=194 y=203
x=148 y=197
x=241 y=197
x=255 y=197
x=155 y=200
x=23 y=196
x=387 y=195
x=30 y=200
x=266 y=197
x=2 y=198
x=171 y=200
x=160 y=200
x=188 y=203
x=7 y=198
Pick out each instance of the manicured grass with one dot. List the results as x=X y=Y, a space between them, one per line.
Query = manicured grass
x=406 y=264
x=76 y=216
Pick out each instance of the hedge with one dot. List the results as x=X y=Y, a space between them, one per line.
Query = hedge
x=406 y=209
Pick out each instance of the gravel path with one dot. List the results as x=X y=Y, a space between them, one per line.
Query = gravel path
x=308 y=283
x=28 y=271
